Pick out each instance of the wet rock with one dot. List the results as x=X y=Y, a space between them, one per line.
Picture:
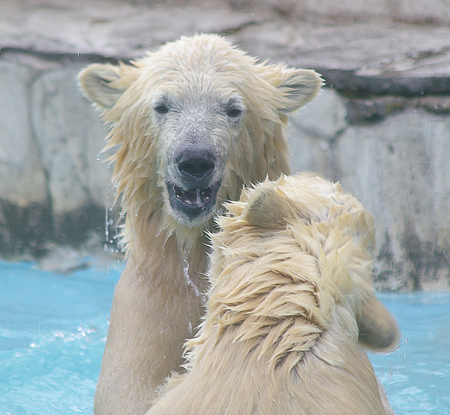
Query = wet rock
x=362 y=111
x=399 y=170
x=70 y=136
x=22 y=175
x=397 y=167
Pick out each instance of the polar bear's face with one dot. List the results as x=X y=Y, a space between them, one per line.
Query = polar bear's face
x=193 y=122
x=198 y=131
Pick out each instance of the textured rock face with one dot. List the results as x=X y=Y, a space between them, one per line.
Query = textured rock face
x=398 y=167
x=381 y=126
x=52 y=187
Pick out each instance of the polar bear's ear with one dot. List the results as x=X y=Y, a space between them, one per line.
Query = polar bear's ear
x=104 y=84
x=300 y=87
x=267 y=209
x=377 y=328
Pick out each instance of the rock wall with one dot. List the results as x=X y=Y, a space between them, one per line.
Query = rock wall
x=381 y=125
x=418 y=11
x=52 y=188
x=397 y=165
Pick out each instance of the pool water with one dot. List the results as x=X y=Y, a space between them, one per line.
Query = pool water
x=417 y=376
x=53 y=329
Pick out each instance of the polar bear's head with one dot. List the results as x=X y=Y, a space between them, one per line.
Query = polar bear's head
x=193 y=122
x=301 y=246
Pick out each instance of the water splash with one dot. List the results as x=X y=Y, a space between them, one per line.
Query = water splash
x=107 y=219
x=184 y=253
x=112 y=242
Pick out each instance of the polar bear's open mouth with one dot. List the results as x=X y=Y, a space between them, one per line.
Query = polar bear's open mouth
x=193 y=202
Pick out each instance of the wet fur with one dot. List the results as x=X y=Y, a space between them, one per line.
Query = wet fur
x=290 y=308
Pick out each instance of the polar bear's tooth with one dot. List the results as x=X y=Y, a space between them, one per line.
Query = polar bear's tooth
x=199 y=198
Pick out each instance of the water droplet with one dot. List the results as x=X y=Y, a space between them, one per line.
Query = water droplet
x=184 y=255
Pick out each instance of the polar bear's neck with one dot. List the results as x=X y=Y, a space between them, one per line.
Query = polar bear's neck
x=156 y=301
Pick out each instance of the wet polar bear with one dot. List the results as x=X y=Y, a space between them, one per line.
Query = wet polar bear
x=290 y=306
x=190 y=125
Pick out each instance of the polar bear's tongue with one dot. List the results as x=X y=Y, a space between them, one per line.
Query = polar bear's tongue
x=193 y=197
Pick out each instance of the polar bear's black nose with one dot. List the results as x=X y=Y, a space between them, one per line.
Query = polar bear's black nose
x=196 y=168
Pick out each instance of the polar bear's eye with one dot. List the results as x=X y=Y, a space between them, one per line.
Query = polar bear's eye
x=234 y=112
x=161 y=108
x=234 y=108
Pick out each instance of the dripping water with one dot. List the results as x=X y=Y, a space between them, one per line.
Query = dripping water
x=111 y=241
x=166 y=237
x=184 y=257
x=107 y=219
x=167 y=234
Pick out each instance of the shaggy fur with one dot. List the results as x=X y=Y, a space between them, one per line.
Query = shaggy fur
x=190 y=125
x=290 y=305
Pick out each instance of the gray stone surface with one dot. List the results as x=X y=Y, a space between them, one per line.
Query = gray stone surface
x=52 y=188
x=381 y=126
x=70 y=137
x=399 y=169
x=111 y=28
x=20 y=166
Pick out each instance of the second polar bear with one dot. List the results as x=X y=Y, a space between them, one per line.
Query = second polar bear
x=290 y=309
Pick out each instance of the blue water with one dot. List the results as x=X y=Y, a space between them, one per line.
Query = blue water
x=53 y=329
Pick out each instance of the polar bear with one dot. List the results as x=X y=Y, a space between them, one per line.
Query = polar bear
x=191 y=124
x=291 y=307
